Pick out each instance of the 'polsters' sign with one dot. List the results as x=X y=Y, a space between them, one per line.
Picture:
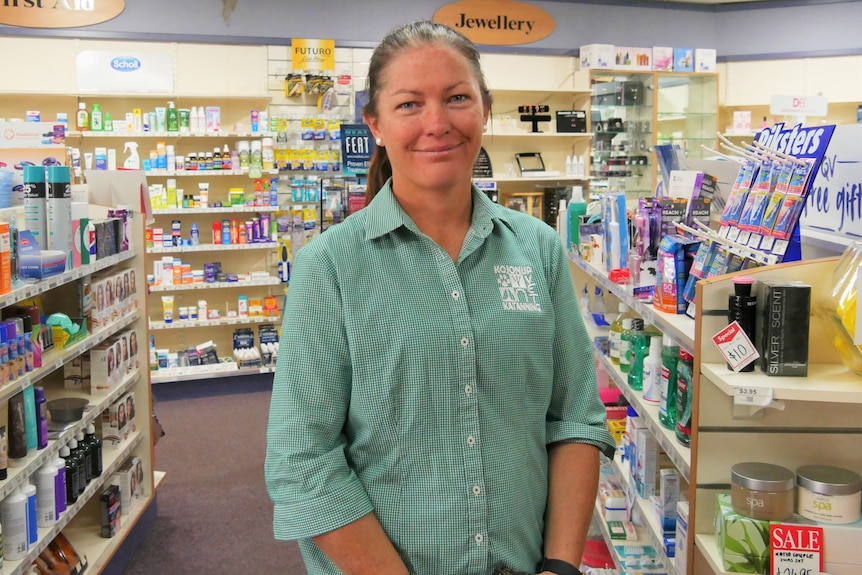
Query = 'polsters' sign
x=497 y=22
x=58 y=13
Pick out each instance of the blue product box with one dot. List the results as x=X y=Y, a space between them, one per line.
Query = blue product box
x=34 y=263
x=683 y=59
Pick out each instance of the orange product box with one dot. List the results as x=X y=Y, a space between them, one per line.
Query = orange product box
x=5 y=259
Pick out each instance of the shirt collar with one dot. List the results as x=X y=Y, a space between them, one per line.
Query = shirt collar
x=385 y=214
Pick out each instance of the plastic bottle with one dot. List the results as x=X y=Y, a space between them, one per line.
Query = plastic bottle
x=173 y=118
x=86 y=456
x=72 y=475
x=652 y=372
x=576 y=209
x=95 y=448
x=742 y=308
x=46 y=504
x=60 y=483
x=684 y=388
x=617 y=331
x=96 y=119
x=82 y=118
x=667 y=396
x=41 y=418
x=108 y=123
x=14 y=511
x=569 y=166
x=599 y=310
x=584 y=303
x=625 y=338
x=133 y=160
x=195 y=235
x=28 y=490
x=639 y=344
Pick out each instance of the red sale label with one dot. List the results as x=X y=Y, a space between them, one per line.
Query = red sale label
x=735 y=346
x=796 y=549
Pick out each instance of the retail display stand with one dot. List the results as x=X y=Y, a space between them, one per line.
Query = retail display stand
x=80 y=523
x=807 y=420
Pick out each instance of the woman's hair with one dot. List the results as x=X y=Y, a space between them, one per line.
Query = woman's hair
x=412 y=35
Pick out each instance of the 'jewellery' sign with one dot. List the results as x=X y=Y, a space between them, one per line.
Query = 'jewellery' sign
x=498 y=22
x=58 y=13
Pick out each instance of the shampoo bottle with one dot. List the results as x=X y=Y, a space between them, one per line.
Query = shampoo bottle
x=667 y=397
x=95 y=448
x=17 y=429
x=30 y=417
x=72 y=476
x=652 y=372
x=28 y=490
x=742 y=308
x=173 y=118
x=46 y=504
x=86 y=456
x=60 y=487
x=14 y=519
x=96 y=119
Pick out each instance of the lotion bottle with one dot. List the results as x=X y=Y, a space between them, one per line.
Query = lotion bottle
x=46 y=492
x=60 y=487
x=28 y=490
x=14 y=519
x=652 y=372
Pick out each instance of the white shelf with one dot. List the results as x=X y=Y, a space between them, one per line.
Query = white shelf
x=183 y=324
x=220 y=210
x=652 y=531
x=560 y=178
x=216 y=285
x=213 y=248
x=18 y=474
x=666 y=438
x=708 y=545
x=138 y=135
x=492 y=134
x=192 y=373
x=570 y=91
x=33 y=289
x=203 y=173
x=56 y=357
x=828 y=383
x=112 y=458
x=679 y=327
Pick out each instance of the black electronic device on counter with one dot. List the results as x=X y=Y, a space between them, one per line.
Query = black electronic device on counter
x=572 y=121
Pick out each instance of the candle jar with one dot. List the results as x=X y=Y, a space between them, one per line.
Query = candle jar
x=762 y=490
x=828 y=494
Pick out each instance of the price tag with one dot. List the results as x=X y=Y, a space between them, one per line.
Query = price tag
x=734 y=345
x=748 y=395
x=796 y=549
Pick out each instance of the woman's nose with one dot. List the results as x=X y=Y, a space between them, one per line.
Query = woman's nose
x=436 y=119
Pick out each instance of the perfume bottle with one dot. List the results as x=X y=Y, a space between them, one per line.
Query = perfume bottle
x=742 y=308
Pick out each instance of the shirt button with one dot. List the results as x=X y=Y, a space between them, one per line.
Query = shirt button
x=477 y=490
x=456 y=294
x=465 y=342
x=468 y=389
x=471 y=440
x=479 y=538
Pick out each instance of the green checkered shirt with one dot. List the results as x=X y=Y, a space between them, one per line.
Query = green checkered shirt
x=426 y=390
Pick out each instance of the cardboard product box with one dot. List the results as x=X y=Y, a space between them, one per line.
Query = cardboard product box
x=631 y=58
x=99 y=313
x=597 y=56
x=125 y=481
x=681 y=555
x=129 y=399
x=743 y=543
x=673 y=266
x=662 y=59
x=109 y=511
x=783 y=313
x=115 y=428
x=571 y=121
x=705 y=60
x=131 y=352
x=683 y=60
x=103 y=368
x=76 y=373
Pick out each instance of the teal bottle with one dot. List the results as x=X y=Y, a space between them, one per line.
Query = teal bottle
x=667 y=397
x=630 y=328
x=684 y=388
x=638 y=348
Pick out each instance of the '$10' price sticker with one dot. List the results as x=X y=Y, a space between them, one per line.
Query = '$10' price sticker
x=735 y=346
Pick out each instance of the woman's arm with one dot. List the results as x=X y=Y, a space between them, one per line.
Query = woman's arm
x=361 y=548
x=573 y=479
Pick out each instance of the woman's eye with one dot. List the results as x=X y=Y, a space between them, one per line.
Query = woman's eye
x=407 y=105
x=459 y=98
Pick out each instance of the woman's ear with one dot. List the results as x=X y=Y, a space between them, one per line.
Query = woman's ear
x=371 y=121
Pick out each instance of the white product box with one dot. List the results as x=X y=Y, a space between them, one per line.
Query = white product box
x=597 y=56
x=680 y=556
x=614 y=505
x=115 y=427
x=662 y=59
x=669 y=497
x=103 y=368
x=76 y=373
x=631 y=58
x=130 y=479
x=704 y=60
x=646 y=461
x=741 y=122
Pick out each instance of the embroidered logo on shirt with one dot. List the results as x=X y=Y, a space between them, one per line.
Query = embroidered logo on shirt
x=517 y=288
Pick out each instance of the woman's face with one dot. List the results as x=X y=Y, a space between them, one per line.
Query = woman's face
x=430 y=118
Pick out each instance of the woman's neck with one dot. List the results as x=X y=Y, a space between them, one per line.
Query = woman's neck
x=442 y=216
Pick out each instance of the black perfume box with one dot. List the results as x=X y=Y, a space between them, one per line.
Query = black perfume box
x=572 y=121
x=783 y=310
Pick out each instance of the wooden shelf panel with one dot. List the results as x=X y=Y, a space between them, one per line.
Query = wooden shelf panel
x=830 y=383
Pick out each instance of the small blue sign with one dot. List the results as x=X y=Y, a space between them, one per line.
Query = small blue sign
x=125 y=64
x=357 y=145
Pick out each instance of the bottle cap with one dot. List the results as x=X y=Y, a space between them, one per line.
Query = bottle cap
x=623 y=307
x=91 y=429
x=742 y=285
x=637 y=324
x=73 y=443
x=64 y=451
x=655 y=346
x=39 y=393
x=79 y=436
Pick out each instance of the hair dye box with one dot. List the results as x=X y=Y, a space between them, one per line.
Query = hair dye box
x=76 y=373
x=783 y=311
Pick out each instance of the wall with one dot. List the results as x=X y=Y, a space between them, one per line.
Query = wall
x=737 y=31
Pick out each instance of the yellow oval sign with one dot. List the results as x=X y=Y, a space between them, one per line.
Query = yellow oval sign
x=59 y=13
x=497 y=22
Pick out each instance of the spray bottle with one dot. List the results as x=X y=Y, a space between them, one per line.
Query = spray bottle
x=133 y=161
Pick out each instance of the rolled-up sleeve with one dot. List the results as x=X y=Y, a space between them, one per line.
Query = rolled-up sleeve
x=576 y=413
x=313 y=488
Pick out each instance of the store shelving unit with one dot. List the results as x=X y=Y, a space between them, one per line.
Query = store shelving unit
x=723 y=433
x=80 y=521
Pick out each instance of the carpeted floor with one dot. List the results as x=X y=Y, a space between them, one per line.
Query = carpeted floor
x=214 y=515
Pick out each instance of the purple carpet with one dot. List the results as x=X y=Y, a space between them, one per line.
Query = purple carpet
x=214 y=514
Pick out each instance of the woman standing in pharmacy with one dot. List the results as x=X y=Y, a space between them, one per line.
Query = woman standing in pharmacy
x=435 y=409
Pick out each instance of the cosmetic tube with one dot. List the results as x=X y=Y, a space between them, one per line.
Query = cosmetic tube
x=17 y=429
x=168 y=308
x=161 y=112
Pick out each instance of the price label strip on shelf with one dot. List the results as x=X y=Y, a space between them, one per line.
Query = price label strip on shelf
x=735 y=346
x=750 y=395
x=796 y=549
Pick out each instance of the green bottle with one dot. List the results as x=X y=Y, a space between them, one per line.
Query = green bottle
x=172 y=118
x=684 y=388
x=616 y=331
x=625 y=339
x=667 y=399
x=638 y=347
x=96 y=119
